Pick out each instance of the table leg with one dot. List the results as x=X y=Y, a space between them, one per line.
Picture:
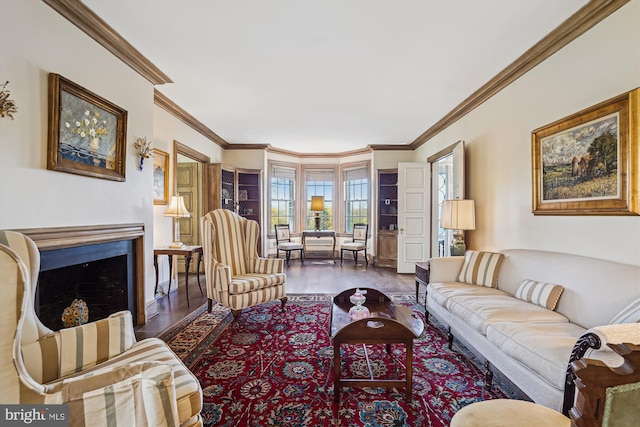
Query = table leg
x=336 y=371
x=198 y=271
x=155 y=265
x=171 y=273
x=409 y=370
x=187 y=262
x=417 y=288
x=333 y=251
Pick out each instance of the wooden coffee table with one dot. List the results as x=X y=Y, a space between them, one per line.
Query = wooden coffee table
x=388 y=324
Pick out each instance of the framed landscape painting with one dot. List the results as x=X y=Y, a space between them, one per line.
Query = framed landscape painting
x=587 y=163
x=86 y=132
x=160 y=177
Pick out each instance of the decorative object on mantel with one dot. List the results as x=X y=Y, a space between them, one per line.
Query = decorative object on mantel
x=143 y=148
x=177 y=210
x=587 y=163
x=86 y=132
x=7 y=106
x=76 y=314
x=458 y=215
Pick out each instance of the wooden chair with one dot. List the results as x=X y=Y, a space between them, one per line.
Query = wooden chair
x=284 y=243
x=236 y=276
x=606 y=397
x=357 y=244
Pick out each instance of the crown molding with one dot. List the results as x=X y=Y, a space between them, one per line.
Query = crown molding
x=172 y=108
x=85 y=19
x=282 y=151
x=572 y=28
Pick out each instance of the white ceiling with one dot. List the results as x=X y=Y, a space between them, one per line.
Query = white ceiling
x=322 y=76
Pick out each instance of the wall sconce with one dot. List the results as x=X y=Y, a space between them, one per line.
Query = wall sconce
x=7 y=106
x=458 y=215
x=143 y=148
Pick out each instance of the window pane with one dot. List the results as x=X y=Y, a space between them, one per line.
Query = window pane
x=282 y=185
x=356 y=197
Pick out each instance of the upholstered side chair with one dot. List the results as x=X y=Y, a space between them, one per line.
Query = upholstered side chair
x=284 y=243
x=357 y=244
x=97 y=369
x=236 y=276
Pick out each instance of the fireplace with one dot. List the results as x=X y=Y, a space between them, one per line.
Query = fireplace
x=101 y=275
x=101 y=265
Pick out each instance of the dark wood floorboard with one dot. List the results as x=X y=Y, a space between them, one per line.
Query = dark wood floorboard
x=314 y=277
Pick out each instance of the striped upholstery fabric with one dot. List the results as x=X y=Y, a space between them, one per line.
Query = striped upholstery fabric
x=629 y=314
x=112 y=378
x=236 y=277
x=543 y=294
x=481 y=268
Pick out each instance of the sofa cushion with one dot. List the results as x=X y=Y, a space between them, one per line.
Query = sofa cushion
x=250 y=282
x=441 y=292
x=481 y=268
x=629 y=314
x=544 y=348
x=481 y=312
x=543 y=294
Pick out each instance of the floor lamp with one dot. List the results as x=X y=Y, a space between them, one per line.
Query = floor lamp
x=458 y=215
x=177 y=210
x=317 y=205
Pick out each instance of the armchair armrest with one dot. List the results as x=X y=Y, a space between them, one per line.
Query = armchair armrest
x=141 y=393
x=445 y=269
x=266 y=265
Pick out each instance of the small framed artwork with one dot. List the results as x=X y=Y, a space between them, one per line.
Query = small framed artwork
x=243 y=195
x=160 y=177
x=86 y=132
x=587 y=163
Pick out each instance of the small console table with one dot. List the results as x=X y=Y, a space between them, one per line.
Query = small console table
x=187 y=252
x=318 y=234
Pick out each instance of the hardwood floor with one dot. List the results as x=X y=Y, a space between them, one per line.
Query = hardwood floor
x=314 y=277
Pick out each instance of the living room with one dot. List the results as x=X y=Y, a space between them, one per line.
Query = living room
x=497 y=135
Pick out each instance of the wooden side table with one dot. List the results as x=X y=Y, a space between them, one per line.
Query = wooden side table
x=422 y=277
x=187 y=252
x=318 y=234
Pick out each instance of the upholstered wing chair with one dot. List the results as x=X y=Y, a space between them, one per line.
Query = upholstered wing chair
x=236 y=277
x=97 y=369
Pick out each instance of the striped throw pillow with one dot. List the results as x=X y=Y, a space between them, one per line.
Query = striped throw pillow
x=629 y=314
x=481 y=268
x=543 y=294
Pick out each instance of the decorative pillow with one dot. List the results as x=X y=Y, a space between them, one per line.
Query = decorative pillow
x=629 y=314
x=481 y=268
x=543 y=294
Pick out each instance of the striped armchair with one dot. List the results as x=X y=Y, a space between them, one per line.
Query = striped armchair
x=97 y=369
x=236 y=277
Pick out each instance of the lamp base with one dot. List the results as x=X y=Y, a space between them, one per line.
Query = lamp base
x=317 y=218
x=458 y=247
x=177 y=245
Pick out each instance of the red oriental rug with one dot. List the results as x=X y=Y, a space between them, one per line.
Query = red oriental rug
x=269 y=368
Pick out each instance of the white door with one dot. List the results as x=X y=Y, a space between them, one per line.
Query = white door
x=413 y=215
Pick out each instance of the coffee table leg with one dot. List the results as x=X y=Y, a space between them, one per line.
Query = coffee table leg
x=409 y=369
x=336 y=371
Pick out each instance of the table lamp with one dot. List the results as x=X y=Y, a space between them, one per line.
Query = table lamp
x=317 y=205
x=458 y=215
x=177 y=210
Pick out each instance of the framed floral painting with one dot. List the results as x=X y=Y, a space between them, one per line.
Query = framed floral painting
x=160 y=177
x=587 y=163
x=86 y=132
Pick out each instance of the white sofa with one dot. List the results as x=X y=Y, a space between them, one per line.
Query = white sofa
x=531 y=345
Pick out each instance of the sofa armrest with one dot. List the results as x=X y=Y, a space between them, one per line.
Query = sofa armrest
x=141 y=393
x=445 y=269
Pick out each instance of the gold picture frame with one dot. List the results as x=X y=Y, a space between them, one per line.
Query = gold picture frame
x=587 y=163
x=160 y=177
x=86 y=132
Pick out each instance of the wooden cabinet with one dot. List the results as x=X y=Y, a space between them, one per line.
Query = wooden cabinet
x=235 y=189
x=387 y=245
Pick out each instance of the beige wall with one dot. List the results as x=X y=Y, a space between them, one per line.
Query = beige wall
x=603 y=63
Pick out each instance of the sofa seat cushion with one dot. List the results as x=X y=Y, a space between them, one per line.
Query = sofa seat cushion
x=442 y=292
x=480 y=312
x=243 y=283
x=188 y=391
x=544 y=348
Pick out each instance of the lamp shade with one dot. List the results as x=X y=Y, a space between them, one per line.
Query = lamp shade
x=458 y=215
x=176 y=208
x=317 y=203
